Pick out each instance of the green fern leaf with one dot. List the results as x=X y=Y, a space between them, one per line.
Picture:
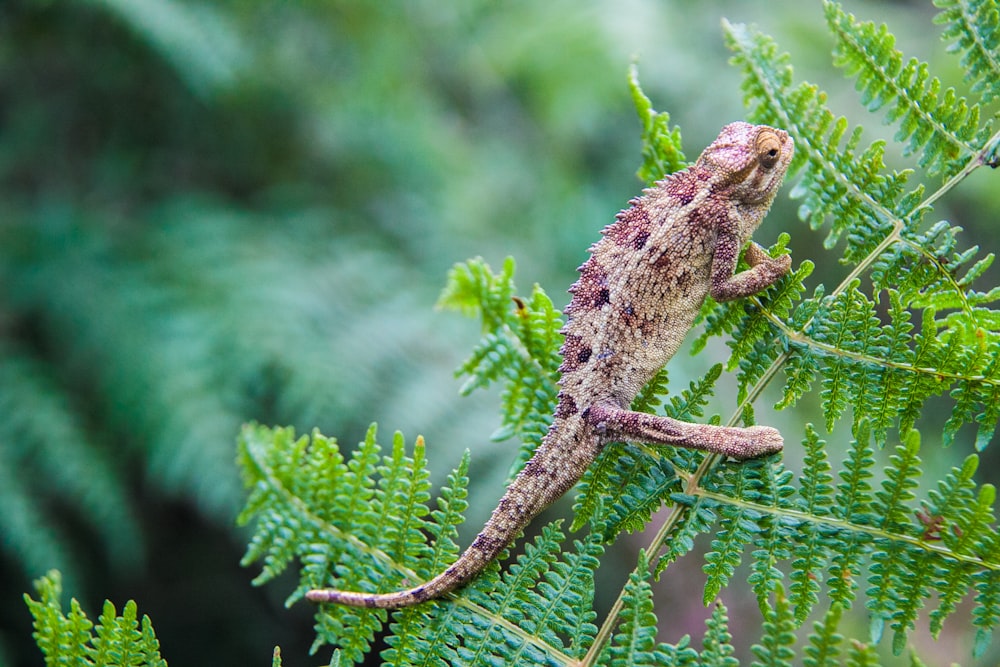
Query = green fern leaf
x=75 y=640
x=641 y=482
x=775 y=649
x=800 y=373
x=952 y=515
x=841 y=185
x=943 y=129
x=773 y=542
x=737 y=526
x=811 y=549
x=852 y=505
x=638 y=481
x=661 y=145
x=893 y=564
x=635 y=641
x=699 y=516
x=902 y=474
x=302 y=488
x=862 y=655
x=519 y=348
x=422 y=634
x=987 y=612
x=974 y=30
x=717 y=649
x=825 y=641
x=473 y=289
x=651 y=396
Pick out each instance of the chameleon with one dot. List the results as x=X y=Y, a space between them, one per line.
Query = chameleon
x=636 y=298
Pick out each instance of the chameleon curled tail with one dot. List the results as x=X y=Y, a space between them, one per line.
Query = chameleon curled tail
x=636 y=298
x=544 y=478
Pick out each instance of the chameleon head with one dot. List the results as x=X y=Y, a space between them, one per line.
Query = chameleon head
x=749 y=161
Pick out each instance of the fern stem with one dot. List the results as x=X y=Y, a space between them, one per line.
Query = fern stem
x=975 y=162
x=796 y=336
x=970 y=559
x=611 y=620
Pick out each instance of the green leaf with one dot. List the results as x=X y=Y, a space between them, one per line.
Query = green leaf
x=661 y=145
x=75 y=640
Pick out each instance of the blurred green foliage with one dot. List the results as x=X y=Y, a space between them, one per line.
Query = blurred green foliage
x=216 y=212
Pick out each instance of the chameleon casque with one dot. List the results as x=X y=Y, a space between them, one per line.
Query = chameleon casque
x=635 y=300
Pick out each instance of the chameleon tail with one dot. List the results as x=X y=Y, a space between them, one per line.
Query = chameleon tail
x=556 y=466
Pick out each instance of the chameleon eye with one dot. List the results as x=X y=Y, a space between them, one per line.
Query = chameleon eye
x=768 y=149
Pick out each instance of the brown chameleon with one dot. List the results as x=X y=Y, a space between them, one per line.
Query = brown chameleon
x=635 y=300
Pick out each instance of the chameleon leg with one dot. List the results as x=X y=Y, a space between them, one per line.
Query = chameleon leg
x=614 y=423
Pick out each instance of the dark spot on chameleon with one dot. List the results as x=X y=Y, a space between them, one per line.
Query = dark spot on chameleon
x=574 y=353
x=664 y=260
x=700 y=217
x=566 y=406
x=640 y=240
x=605 y=354
x=486 y=543
x=629 y=224
x=629 y=318
x=591 y=289
x=535 y=470
x=685 y=191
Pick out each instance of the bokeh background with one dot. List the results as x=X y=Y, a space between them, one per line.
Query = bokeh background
x=214 y=212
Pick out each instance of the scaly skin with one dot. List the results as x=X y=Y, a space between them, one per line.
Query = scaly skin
x=635 y=300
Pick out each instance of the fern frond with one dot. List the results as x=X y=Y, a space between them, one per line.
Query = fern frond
x=840 y=184
x=773 y=540
x=862 y=655
x=973 y=27
x=361 y=524
x=952 y=515
x=75 y=640
x=825 y=641
x=736 y=526
x=986 y=615
x=716 y=647
x=635 y=641
x=944 y=130
x=812 y=549
x=775 y=649
x=661 y=146
x=640 y=482
x=519 y=348
x=699 y=517
x=308 y=503
x=853 y=504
